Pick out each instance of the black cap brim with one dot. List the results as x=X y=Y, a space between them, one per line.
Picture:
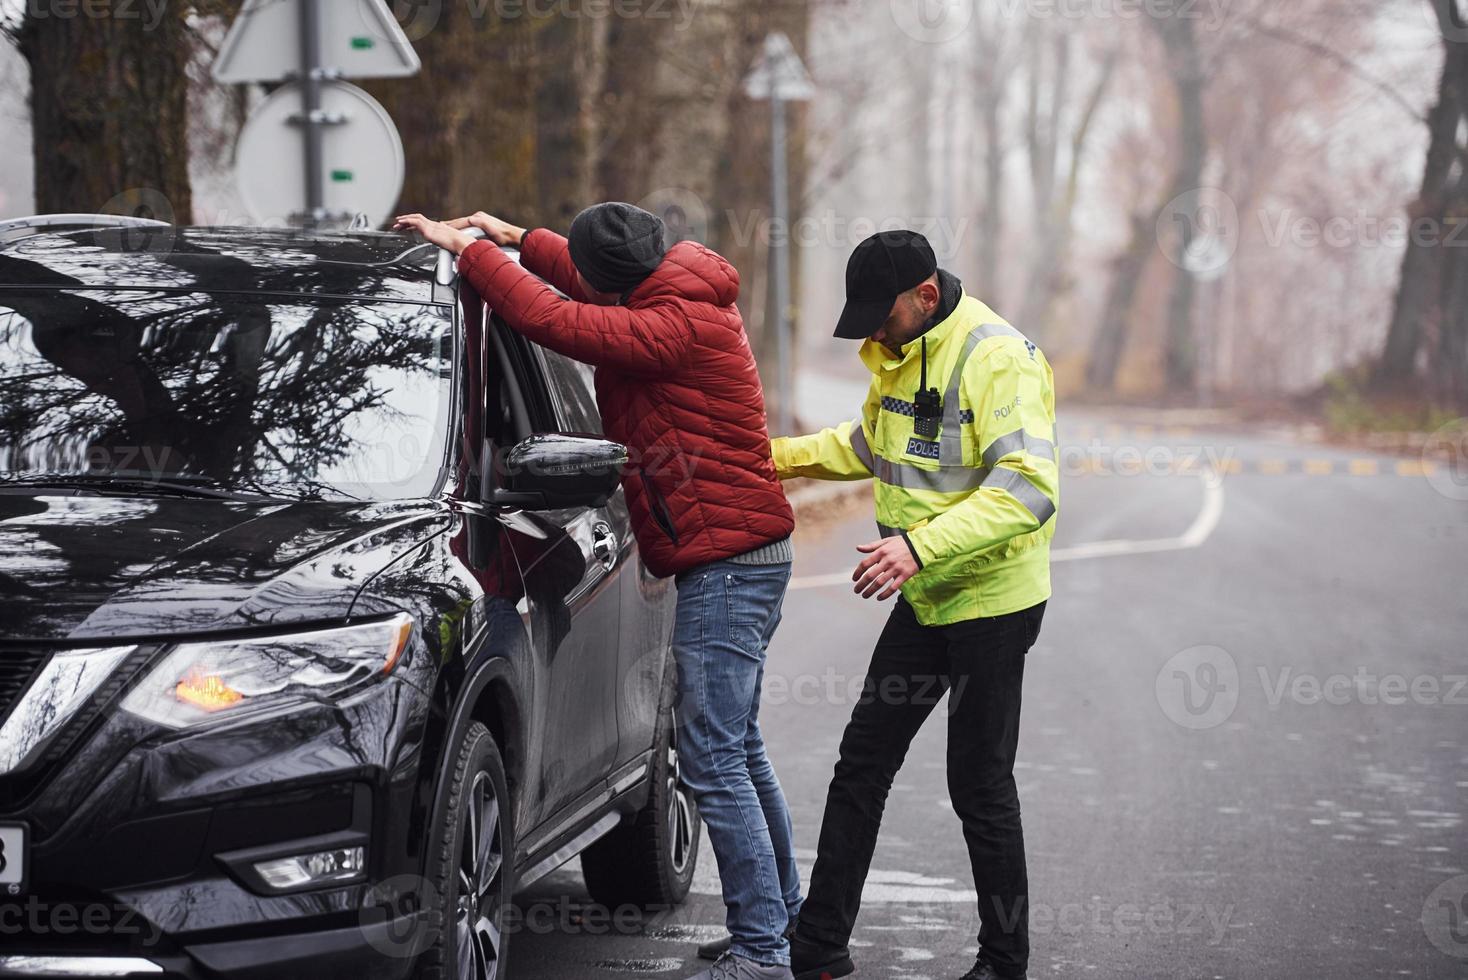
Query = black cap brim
x=862 y=317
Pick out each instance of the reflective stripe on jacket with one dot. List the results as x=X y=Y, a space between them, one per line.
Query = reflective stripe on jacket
x=978 y=503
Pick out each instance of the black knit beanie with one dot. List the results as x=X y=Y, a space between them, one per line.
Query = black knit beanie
x=615 y=246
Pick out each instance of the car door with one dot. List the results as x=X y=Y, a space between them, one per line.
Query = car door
x=642 y=644
x=571 y=583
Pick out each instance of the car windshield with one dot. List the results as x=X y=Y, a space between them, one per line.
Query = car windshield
x=254 y=393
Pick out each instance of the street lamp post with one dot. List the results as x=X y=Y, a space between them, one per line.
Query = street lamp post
x=780 y=76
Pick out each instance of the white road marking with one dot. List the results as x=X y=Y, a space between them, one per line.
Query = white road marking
x=882 y=887
x=1197 y=534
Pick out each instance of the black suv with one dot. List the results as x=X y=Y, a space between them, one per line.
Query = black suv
x=322 y=629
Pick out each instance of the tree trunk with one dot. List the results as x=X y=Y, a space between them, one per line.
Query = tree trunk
x=468 y=120
x=742 y=179
x=1431 y=272
x=1111 y=337
x=1050 y=278
x=109 y=112
x=1181 y=354
x=991 y=210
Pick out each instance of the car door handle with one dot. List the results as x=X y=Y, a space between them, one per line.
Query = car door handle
x=604 y=544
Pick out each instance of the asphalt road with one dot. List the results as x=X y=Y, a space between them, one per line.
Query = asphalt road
x=1244 y=750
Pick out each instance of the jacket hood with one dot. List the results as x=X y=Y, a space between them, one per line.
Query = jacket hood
x=691 y=272
x=82 y=567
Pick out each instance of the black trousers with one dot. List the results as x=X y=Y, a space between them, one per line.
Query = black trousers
x=981 y=663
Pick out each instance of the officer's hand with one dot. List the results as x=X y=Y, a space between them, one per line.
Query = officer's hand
x=888 y=563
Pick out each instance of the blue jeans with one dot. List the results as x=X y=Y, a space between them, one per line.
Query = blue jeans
x=727 y=614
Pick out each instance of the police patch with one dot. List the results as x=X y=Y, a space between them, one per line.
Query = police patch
x=922 y=449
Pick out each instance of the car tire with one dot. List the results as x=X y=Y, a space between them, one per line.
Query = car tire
x=474 y=858
x=649 y=860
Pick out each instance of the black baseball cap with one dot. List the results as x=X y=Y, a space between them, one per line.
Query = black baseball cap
x=882 y=268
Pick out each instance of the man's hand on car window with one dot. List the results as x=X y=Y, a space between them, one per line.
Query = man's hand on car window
x=495 y=230
x=888 y=563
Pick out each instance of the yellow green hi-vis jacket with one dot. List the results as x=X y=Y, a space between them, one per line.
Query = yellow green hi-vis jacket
x=979 y=502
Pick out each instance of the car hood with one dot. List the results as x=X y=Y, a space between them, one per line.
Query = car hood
x=83 y=567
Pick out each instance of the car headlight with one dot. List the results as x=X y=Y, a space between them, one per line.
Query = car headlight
x=201 y=682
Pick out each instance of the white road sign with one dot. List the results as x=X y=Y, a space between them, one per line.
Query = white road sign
x=361 y=156
x=359 y=39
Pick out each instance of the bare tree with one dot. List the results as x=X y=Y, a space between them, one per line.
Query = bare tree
x=1185 y=69
x=1431 y=314
x=1054 y=126
x=109 y=106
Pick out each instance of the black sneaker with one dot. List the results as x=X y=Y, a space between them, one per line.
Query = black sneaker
x=811 y=962
x=983 y=971
x=717 y=948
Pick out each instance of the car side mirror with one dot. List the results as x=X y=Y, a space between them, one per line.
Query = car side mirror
x=555 y=470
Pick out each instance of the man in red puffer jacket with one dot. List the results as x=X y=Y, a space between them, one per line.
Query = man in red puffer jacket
x=676 y=383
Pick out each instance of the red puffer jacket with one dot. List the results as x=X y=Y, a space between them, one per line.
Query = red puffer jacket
x=676 y=383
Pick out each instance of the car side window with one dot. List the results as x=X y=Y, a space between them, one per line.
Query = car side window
x=572 y=384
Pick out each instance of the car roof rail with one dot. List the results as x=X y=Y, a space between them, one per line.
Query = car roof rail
x=37 y=222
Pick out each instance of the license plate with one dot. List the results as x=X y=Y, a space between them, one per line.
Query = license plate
x=12 y=858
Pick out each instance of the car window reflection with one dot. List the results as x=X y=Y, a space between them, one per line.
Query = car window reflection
x=307 y=398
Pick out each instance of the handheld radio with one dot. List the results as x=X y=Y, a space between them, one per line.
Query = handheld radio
x=928 y=405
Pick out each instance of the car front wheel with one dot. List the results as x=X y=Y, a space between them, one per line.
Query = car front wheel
x=472 y=869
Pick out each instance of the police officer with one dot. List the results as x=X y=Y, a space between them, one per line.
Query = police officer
x=958 y=436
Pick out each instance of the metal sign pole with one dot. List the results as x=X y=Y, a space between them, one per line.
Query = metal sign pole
x=311 y=109
x=780 y=258
x=780 y=77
